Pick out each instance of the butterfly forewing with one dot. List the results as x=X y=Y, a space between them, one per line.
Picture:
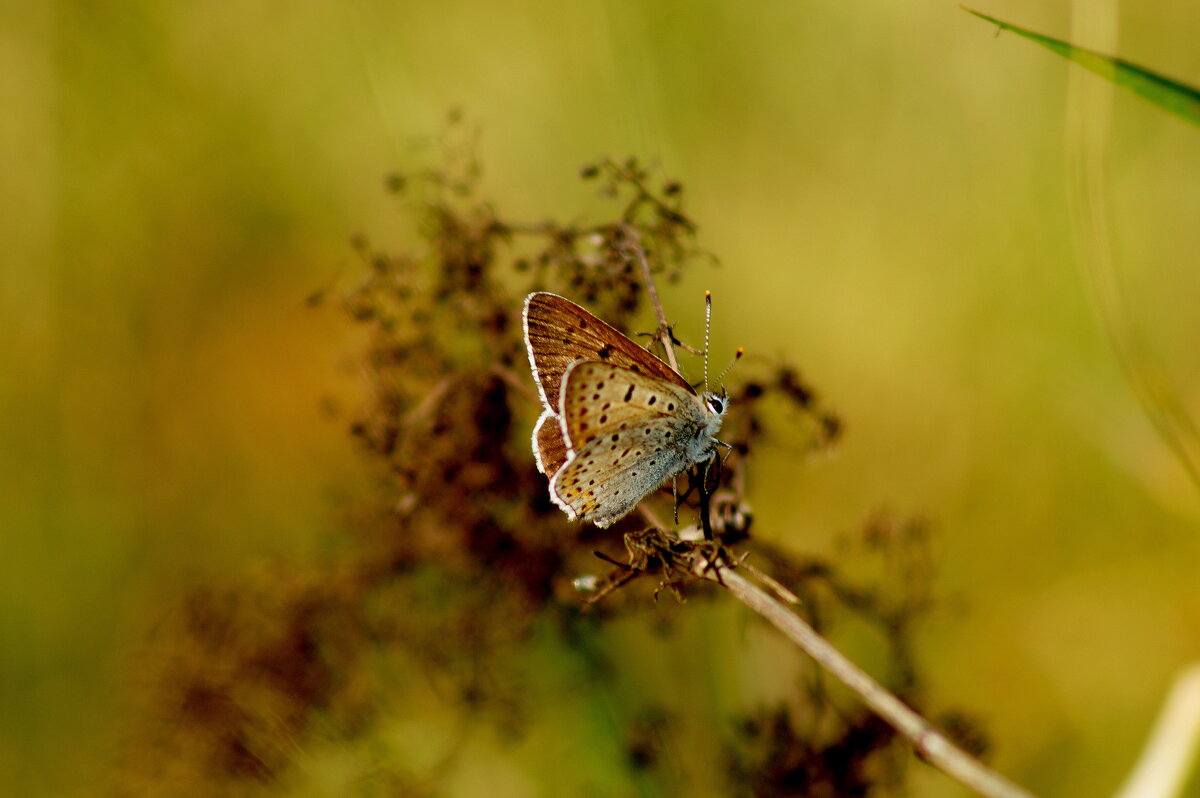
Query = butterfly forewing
x=603 y=399
x=627 y=432
x=558 y=332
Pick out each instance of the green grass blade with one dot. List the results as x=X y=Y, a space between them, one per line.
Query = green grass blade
x=1168 y=94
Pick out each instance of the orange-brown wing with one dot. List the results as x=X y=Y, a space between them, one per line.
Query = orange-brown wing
x=558 y=332
x=549 y=448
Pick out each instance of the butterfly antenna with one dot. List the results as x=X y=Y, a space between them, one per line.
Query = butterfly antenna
x=707 y=329
x=736 y=357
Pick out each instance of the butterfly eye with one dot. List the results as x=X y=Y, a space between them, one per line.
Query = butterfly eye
x=716 y=404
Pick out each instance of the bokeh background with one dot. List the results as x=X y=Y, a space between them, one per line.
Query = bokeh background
x=886 y=186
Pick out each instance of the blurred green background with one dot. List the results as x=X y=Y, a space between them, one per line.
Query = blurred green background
x=886 y=185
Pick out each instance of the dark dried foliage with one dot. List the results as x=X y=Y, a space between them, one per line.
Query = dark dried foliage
x=462 y=557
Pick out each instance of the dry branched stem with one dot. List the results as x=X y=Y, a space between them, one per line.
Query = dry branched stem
x=664 y=335
x=664 y=329
x=930 y=743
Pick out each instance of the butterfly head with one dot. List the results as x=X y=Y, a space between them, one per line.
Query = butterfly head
x=716 y=404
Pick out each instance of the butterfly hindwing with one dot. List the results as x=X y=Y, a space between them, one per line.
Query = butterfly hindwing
x=626 y=433
x=549 y=448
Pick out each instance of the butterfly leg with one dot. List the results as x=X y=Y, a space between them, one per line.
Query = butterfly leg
x=728 y=454
x=708 y=465
x=675 y=496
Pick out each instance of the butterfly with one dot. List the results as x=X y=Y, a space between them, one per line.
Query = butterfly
x=618 y=422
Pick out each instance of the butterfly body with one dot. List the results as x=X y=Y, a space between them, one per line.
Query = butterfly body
x=618 y=422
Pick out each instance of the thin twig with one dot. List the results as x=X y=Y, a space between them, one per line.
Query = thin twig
x=644 y=194
x=701 y=473
x=651 y=518
x=664 y=329
x=519 y=385
x=777 y=587
x=934 y=746
x=430 y=402
x=623 y=575
x=664 y=335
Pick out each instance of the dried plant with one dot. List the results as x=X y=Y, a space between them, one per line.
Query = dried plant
x=461 y=559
